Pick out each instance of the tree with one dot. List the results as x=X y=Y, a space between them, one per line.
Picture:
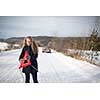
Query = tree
x=94 y=43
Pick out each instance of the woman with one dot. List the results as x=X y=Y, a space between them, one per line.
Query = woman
x=30 y=46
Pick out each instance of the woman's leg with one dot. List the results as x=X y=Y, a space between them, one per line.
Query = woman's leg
x=34 y=75
x=27 y=77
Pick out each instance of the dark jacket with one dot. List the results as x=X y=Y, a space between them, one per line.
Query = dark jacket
x=33 y=59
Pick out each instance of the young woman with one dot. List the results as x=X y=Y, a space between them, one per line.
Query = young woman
x=30 y=46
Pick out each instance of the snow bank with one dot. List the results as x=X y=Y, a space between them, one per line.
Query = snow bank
x=86 y=54
x=3 y=45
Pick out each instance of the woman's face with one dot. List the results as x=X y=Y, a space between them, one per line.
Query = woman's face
x=28 y=41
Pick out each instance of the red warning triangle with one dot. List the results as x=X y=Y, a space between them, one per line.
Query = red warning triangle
x=23 y=63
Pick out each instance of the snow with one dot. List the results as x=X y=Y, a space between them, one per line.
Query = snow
x=86 y=54
x=53 y=68
x=16 y=45
x=96 y=56
x=3 y=45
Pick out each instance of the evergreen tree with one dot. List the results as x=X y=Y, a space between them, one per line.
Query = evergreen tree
x=94 y=44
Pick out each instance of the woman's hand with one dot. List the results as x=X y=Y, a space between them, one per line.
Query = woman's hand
x=22 y=61
x=26 y=59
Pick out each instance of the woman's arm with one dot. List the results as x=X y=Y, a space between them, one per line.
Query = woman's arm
x=22 y=54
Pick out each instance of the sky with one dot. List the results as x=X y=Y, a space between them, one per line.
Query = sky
x=61 y=26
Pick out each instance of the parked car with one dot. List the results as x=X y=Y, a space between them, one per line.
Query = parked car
x=46 y=50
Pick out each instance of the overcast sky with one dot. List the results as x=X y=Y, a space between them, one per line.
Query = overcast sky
x=46 y=26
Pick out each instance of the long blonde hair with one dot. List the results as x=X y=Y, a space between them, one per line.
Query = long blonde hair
x=33 y=44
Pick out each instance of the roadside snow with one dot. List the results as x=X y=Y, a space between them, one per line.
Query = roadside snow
x=86 y=54
x=3 y=45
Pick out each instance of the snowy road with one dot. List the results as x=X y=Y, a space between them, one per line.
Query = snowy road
x=53 y=68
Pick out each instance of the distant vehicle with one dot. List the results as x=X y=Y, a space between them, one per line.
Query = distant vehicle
x=46 y=50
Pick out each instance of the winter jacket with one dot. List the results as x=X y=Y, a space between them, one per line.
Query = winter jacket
x=33 y=59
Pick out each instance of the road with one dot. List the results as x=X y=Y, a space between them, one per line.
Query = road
x=53 y=68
